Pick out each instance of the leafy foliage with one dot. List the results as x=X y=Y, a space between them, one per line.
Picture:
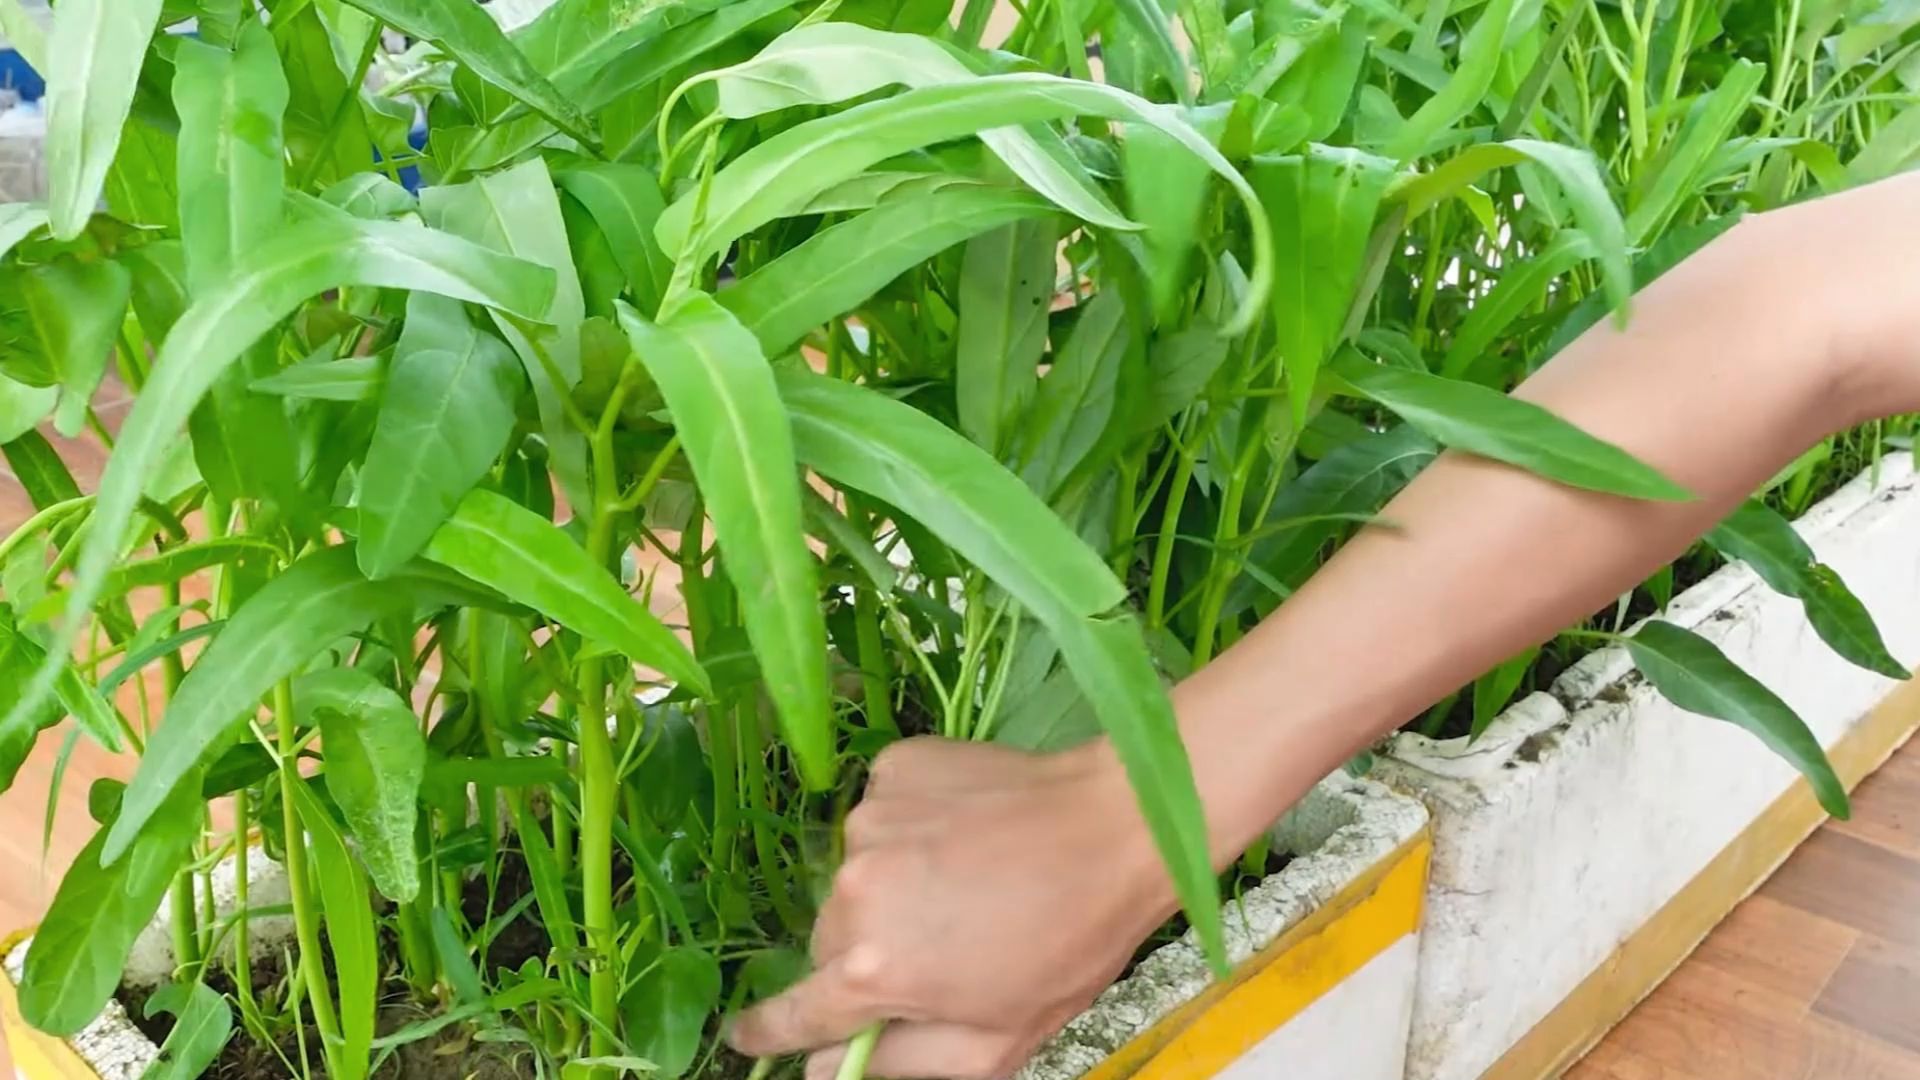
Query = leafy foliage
x=542 y=527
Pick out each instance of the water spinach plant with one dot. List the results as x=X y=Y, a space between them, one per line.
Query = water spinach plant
x=522 y=535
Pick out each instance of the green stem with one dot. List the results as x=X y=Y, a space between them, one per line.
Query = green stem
x=859 y=1052
x=766 y=847
x=186 y=937
x=242 y=920
x=306 y=917
x=877 y=690
x=1220 y=568
x=1163 y=544
x=723 y=746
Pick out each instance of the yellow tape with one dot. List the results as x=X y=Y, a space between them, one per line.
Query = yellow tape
x=1281 y=981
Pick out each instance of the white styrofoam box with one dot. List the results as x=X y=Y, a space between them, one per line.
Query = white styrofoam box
x=1356 y=1031
x=1584 y=811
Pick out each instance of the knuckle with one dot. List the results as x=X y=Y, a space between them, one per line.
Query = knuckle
x=863 y=825
x=867 y=969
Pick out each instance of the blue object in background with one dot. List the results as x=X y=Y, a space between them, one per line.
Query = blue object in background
x=18 y=75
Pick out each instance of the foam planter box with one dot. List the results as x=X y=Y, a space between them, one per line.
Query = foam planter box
x=1596 y=834
x=1323 y=957
x=112 y=1048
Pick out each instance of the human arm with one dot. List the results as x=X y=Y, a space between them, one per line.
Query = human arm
x=1794 y=325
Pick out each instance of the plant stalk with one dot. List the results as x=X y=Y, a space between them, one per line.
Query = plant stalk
x=306 y=918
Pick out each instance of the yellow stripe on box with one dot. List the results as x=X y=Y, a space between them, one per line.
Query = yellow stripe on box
x=36 y=1056
x=1277 y=984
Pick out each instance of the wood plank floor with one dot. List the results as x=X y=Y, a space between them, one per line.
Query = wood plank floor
x=1816 y=977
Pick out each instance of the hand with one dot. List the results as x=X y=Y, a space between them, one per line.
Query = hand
x=986 y=898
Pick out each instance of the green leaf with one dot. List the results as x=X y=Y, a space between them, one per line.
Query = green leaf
x=1761 y=538
x=267 y=285
x=529 y=560
x=19 y=658
x=1660 y=190
x=64 y=330
x=1322 y=204
x=1167 y=191
x=352 y=378
x=782 y=174
x=202 y=1025
x=1694 y=674
x=638 y=68
x=232 y=184
x=1891 y=149
x=625 y=201
x=348 y=911
x=1580 y=182
x=369 y=195
x=1146 y=20
x=317 y=601
x=840 y=267
x=23 y=407
x=736 y=437
x=19 y=221
x=1488 y=423
x=1492 y=691
x=517 y=212
x=1479 y=61
x=1520 y=287
x=1179 y=367
x=39 y=469
x=80 y=950
x=468 y=34
x=170 y=566
x=1355 y=479
x=668 y=1006
x=1007 y=282
x=872 y=443
x=375 y=761
x=825 y=63
x=445 y=415
x=24 y=33
x=100 y=45
x=1077 y=400
x=232 y=170
x=327 y=137
x=574 y=41
x=1673 y=248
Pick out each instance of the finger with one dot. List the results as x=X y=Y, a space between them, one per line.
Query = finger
x=825 y=1008
x=929 y=1051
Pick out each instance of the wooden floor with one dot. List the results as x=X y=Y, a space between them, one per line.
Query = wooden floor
x=1817 y=977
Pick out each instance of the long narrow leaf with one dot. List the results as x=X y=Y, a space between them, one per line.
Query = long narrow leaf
x=1764 y=540
x=447 y=413
x=1493 y=425
x=897 y=454
x=1694 y=674
x=736 y=436
x=836 y=269
x=783 y=173
x=100 y=46
x=527 y=559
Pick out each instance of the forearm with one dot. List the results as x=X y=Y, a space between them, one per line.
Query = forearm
x=1786 y=330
